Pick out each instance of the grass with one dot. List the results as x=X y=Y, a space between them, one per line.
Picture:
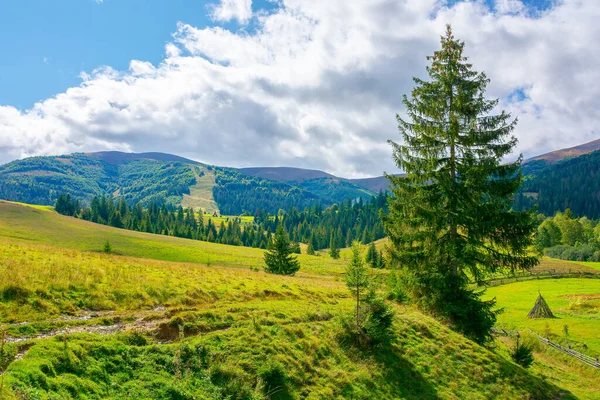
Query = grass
x=201 y=194
x=591 y=264
x=576 y=304
x=17 y=223
x=197 y=331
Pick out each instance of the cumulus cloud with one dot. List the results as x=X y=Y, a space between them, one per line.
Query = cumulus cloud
x=318 y=84
x=228 y=10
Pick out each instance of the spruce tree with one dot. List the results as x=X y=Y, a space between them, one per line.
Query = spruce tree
x=310 y=250
x=372 y=256
x=450 y=220
x=358 y=281
x=279 y=259
x=334 y=250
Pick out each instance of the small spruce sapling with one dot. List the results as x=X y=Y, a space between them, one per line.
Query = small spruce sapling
x=357 y=280
x=522 y=354
x=279 y=259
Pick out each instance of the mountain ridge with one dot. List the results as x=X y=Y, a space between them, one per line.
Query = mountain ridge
x=155 y=177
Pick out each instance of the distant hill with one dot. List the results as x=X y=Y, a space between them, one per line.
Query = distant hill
x=167 y=179
x=559 y=155
x=300 y=176
x=566 y=178
x=285 y=174
x=118 y=157
x=570 y=183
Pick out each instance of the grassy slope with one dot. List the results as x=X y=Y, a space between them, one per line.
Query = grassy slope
x=201 y=194
x=234 y=319
x=234 y=324
x=17 y=221
x=575 y=303
x=594 y=265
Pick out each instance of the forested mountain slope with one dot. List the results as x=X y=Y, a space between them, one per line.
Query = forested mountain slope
x=163 y=179
x=571 y=183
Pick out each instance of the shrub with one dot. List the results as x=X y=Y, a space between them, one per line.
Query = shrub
x=396 y=290
x=107 y=247
x=522 y=354
x=378 y=322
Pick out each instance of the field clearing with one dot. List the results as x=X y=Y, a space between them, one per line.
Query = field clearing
x=574 y=302
x=565 y=266
x=20 y=223
x=201 y=194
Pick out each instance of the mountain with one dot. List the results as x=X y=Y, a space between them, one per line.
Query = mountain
x=285 y=174
x=167 y=179
x=376 y=184
x=118 y=157
x=559 y=155
x=320 y=182
x=570 y=183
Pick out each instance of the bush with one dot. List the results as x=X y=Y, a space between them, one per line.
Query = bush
x=584 y=252
x=522 y=354
x=107 y=247
x=396 y=290
x=378 y=322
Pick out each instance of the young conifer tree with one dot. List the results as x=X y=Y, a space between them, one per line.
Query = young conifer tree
x=450 y=219
x=334 y=250
x=279 y=259
x=357 y=280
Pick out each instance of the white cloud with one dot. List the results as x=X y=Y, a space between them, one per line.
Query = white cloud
x=227 y=10
x=318 y=85
x=509 y=6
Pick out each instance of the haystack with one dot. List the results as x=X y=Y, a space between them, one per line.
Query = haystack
x=540 y=309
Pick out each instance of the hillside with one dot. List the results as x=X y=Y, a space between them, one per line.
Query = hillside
x=571 y=183
x=320 y=183
x=285 y=174
x=148 y=178
x=310 y=178
x=559 y=155
x=87 y=324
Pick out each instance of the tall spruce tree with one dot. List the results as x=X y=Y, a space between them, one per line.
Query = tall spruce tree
x=450 y=220
x=279 y=259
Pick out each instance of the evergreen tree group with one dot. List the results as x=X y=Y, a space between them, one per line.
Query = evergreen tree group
x=315 y=226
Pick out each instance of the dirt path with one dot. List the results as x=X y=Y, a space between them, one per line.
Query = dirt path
x=138 y=325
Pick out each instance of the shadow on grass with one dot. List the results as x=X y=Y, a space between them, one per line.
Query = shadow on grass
x=401 y=375
x=538 y=388
x=398 y=374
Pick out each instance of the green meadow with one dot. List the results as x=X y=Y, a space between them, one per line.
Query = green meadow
x=164 y=317
x=20 y=222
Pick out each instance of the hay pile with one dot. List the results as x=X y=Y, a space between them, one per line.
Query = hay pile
x=540 y=309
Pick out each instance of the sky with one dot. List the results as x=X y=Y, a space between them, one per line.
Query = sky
x=311 y=84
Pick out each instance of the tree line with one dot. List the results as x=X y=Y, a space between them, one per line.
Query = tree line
x=336 y=226
x=569 y=238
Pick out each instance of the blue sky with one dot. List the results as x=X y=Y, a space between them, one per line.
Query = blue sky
x=47 y=44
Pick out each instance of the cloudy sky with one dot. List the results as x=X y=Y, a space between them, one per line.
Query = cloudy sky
x=303 y=83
